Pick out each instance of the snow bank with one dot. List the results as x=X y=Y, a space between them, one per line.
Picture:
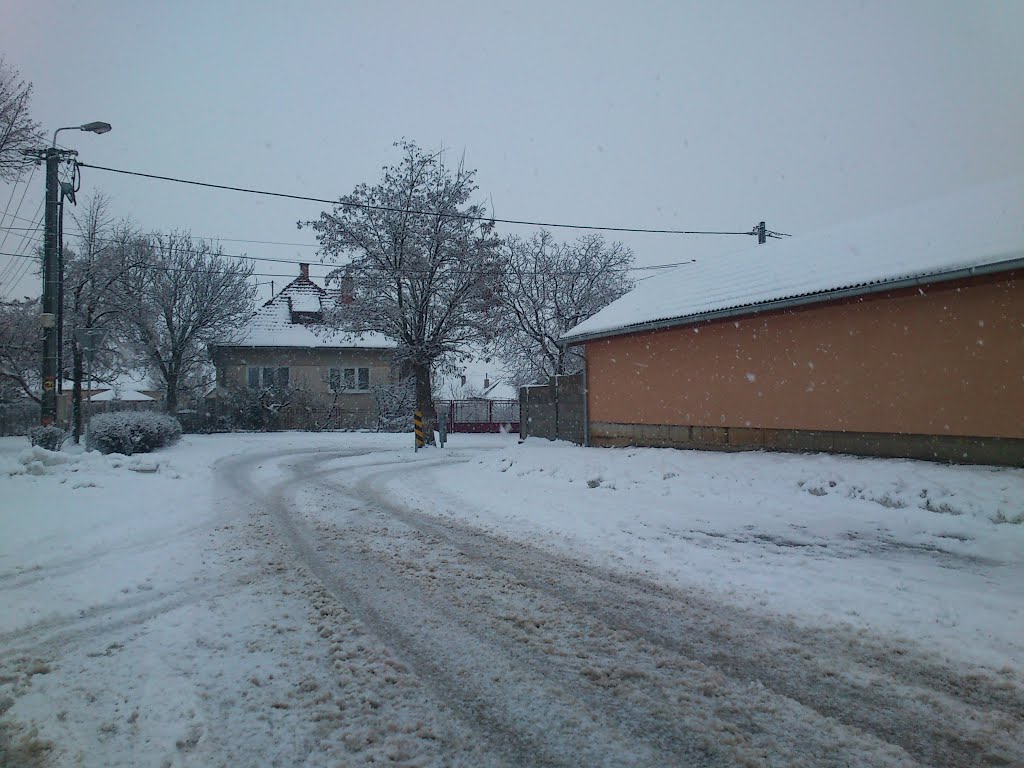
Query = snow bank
x=38 y=461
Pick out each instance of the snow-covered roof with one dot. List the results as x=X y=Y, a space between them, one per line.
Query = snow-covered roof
x=136 y=379
x=120 y=395
x=305 y=301
x=477 y=370
x=273 y=325
x=979 y=228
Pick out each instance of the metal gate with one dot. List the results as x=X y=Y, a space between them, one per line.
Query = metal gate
x=480 y=415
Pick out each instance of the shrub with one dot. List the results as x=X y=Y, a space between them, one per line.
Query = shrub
x=131 y=432
x=396 y=402
x=51 y=438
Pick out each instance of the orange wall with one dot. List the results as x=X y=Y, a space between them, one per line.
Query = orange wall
x=946 y=359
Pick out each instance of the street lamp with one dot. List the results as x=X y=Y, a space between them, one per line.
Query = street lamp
x=52 y=277
x=94 y=127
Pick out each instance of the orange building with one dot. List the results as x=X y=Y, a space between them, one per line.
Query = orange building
x=898 y=336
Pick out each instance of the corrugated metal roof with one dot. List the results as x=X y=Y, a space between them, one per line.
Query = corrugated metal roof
x=981 y=227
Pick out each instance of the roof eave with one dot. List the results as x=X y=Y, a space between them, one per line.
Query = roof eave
x=293 y=346
x=799 y=301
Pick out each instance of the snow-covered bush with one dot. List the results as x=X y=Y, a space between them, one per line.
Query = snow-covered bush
x=131 y=432
x=51 y=438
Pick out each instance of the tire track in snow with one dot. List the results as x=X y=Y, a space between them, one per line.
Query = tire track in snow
x=51 y=636
x=939 y=715
x=841 y=683
x=736 y=723
x=443 y=652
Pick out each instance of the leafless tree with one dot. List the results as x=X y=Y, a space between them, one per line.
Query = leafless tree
x=18 y=131
x=97 y=271
x=186 y=295
x=21 y=343
x=418 y=264
x=549 y=288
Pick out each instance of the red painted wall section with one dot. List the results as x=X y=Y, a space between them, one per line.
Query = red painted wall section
x=946 y=359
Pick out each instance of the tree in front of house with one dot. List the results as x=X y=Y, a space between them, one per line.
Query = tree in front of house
x=21 y=344
x=418 y=264
x=18 y=131
x=549 y=288
x=96 y=270
x=185 y=294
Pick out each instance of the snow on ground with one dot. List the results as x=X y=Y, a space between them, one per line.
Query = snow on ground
x=145 y=609
x=920 y=550
x=142 y=614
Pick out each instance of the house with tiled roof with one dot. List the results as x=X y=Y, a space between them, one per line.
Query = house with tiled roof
x=288 y=355
x=899 y=335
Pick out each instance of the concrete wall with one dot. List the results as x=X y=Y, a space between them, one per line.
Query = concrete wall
x=553 y=410
x=944 y=360
x=965 y=450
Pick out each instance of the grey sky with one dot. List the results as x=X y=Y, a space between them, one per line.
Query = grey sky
x=666 y=115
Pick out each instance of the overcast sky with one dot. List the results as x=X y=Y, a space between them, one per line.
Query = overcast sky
x=681 y=115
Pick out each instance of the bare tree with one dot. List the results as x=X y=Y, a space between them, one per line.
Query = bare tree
x=95 y=275
x=549 y=288
x=21 y=343
x=419 y=266
x=18 y=131
x=184 y=296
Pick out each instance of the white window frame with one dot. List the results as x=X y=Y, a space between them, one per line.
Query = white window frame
x=356 y=377
x=260 y=380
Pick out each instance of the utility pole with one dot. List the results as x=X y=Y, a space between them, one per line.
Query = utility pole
x=51 y=288
x=762 y=234
x=52 y=277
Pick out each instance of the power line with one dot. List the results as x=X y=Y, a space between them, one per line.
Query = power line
x=292 y=275
x=211 y=238
x=14 y=187
x=390 y=209
x=20 y=201
x=14 y=272
x=651 y=267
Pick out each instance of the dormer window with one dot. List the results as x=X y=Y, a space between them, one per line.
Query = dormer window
x=305 y=308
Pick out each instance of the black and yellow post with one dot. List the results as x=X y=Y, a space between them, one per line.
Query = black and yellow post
x=418 y=423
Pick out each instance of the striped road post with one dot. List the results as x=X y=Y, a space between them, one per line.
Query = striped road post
x=418 y=422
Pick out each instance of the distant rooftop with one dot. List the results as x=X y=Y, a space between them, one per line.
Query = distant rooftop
x=979 y=229
x=290 y=319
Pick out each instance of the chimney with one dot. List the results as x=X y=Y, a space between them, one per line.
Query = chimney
x=487 y=381
x=304 y=270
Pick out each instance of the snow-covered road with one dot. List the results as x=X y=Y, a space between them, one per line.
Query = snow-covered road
x=301 y=612
x=541 y=659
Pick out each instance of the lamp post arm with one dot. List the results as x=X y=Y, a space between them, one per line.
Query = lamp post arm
x=67 y=128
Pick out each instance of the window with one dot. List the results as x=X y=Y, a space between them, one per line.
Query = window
x=349 y=379
x=270 y=378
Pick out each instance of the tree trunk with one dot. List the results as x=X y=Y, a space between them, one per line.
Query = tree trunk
x=77 y=373
x=425 y=399
x=172 y=394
